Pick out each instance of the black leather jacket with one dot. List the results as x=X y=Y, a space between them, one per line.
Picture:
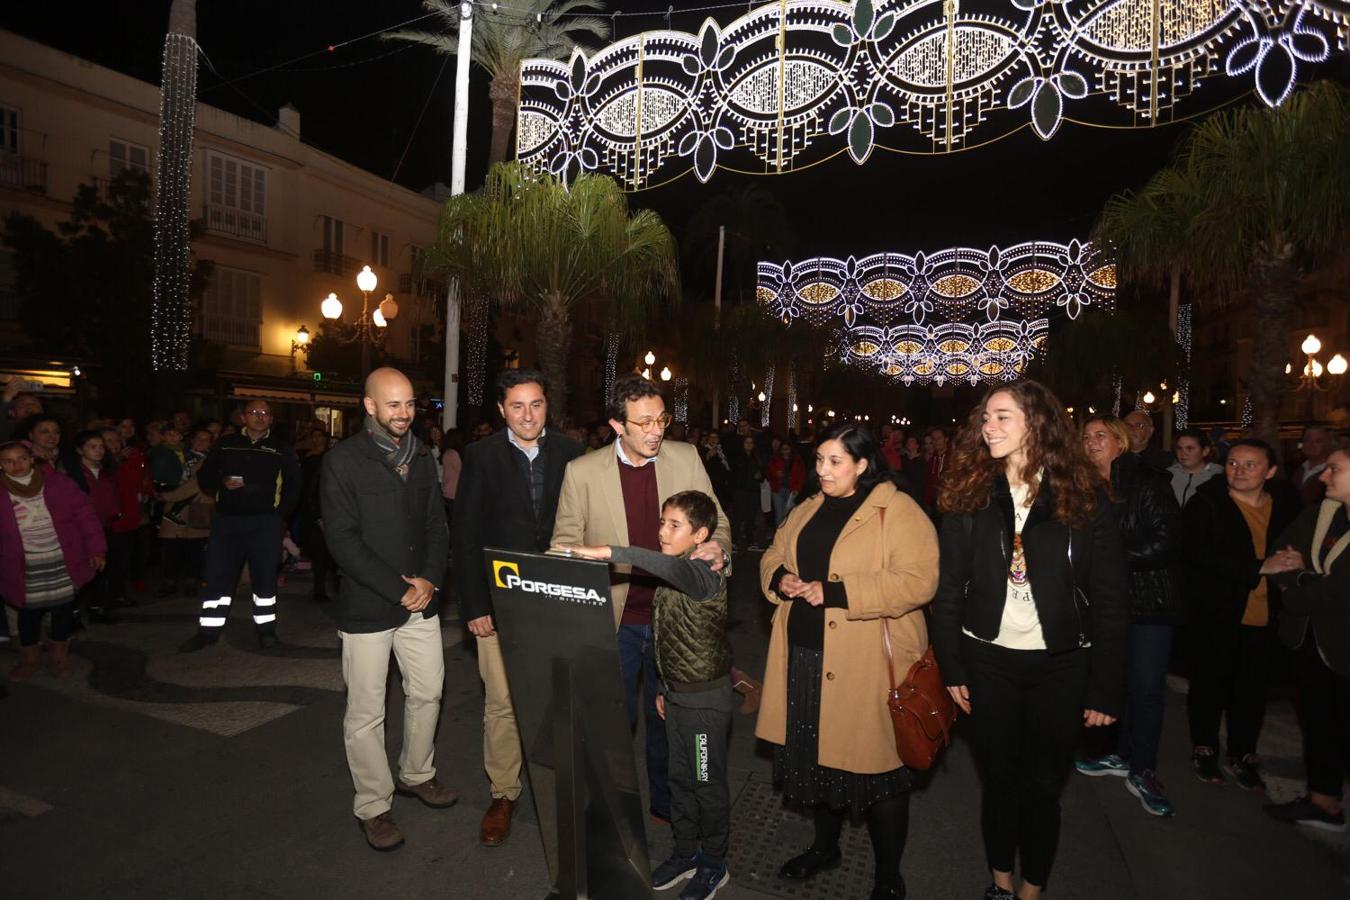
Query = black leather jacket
x=1078 y=584
x=1150 y=524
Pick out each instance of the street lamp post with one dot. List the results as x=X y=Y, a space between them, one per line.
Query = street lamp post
x=1310 y=379
x=371 y=327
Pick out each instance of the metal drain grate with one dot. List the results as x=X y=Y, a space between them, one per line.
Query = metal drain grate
x=765 y=834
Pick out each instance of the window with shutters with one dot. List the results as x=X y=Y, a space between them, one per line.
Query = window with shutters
x=232 y=308
x=236 y=197
x=379 y=249
x=11 y=132
x=123 y=155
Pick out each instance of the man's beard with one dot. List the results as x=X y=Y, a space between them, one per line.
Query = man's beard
x=388 y=425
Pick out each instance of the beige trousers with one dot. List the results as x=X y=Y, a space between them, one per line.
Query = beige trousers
x=501 y=738
x=365 y=667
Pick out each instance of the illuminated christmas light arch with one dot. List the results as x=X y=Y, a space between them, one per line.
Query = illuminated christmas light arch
x=955 y=315
x=794 y=82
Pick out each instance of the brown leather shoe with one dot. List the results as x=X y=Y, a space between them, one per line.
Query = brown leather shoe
x=431 y=792
x=497 y=822
x=381 y=832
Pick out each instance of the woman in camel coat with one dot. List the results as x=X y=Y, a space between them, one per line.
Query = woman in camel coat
x=855 y=557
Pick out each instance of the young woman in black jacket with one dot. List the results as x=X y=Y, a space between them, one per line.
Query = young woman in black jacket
x=1150 y=525
x=1030 y=618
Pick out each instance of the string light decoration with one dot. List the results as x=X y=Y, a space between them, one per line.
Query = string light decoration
x=1120 y=386
x=794 y=82
x=734 y=402
x=171 y=310
x=792 y=417
x=1248 y=414
x=682 y=400
x=476 y=363
x=1182 y=410
x=959 y=314
x=766 y=408
x=612 y=340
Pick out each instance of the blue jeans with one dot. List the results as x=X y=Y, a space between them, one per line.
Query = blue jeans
x=1145 y=695
x=637 y=656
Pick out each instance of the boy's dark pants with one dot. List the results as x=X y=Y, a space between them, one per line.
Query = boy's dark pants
x=698 y=726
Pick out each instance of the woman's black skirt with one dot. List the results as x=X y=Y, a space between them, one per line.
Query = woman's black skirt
x=795 y=764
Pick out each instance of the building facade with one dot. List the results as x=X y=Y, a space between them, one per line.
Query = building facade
x=283 y=223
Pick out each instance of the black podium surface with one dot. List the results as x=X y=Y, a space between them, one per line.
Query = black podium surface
x=555 y=622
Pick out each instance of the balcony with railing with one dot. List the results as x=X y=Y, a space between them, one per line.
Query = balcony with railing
x=335 y=263
x=428 y=288
x=23 y=173
x=235 y=223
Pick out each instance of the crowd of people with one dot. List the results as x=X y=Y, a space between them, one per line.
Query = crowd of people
x=1059 y=570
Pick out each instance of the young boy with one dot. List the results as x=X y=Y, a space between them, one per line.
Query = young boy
x=689 y=617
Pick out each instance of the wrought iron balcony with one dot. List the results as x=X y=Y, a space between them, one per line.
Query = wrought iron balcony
x=235 y=223
x=335 y=263
x=23 y=173
x=429 y=288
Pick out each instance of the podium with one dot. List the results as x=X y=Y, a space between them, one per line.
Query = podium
x=555 y=622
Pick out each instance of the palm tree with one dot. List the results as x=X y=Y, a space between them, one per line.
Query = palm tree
x=502 y=40
x=1254 y=196
x=529 y=242
x=758 y=228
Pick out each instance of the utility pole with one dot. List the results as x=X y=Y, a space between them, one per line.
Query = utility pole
x=450 y=413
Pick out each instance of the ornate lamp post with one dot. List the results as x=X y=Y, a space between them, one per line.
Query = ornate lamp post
x=370 y=327
x=300 y=342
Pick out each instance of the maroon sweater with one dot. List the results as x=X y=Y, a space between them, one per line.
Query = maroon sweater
x=642 y=509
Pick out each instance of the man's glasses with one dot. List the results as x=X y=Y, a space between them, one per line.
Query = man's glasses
x=660 y=423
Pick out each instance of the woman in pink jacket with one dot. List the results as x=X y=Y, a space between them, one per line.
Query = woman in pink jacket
x=51 y=545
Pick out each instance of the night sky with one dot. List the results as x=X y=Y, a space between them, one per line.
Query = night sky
x=362 y=101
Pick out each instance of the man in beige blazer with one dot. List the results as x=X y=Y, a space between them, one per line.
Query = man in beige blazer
x=613 y=496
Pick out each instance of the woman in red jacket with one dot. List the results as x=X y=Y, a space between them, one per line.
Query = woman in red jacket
x=132 y=480
x=786 y=475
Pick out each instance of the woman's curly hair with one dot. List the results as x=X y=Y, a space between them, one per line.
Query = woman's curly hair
x=1052 y=445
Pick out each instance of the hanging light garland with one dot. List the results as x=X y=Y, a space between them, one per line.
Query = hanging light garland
x=1183 y=404
x=612 y=340
x=792 y=417
x=766 y=408
x=792 y=83
x=682 y=400
x=734 y=402
x=1248 y=414
x=1120 y=386
x=477 y=355
x=170 y=311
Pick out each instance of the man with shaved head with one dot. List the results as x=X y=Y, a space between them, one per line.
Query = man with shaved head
x=1140 y=424
x=255 y=479
x=383 y=519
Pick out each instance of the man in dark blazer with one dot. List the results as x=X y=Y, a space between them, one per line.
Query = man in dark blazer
x=508 y=498
x=384 y=523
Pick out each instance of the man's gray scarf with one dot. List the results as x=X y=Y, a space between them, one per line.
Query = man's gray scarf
x=398 y=454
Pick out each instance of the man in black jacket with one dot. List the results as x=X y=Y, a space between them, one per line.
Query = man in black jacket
x=255 y=479
x=507 y=498
x=385 y=525
x=1231 y=524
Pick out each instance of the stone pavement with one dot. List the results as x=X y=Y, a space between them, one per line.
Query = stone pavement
x=221 y=775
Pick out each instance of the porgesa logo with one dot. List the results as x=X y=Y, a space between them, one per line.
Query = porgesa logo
x=507 y=575
x=497 y=567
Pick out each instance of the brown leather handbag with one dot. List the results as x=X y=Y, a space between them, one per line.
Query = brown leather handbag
x=922 y=712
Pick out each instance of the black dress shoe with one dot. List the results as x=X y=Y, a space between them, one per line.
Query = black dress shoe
x=888 y=891
x=805 y=865
x=267 y=640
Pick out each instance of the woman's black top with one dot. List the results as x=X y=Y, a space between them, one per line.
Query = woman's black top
x=815 y=543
